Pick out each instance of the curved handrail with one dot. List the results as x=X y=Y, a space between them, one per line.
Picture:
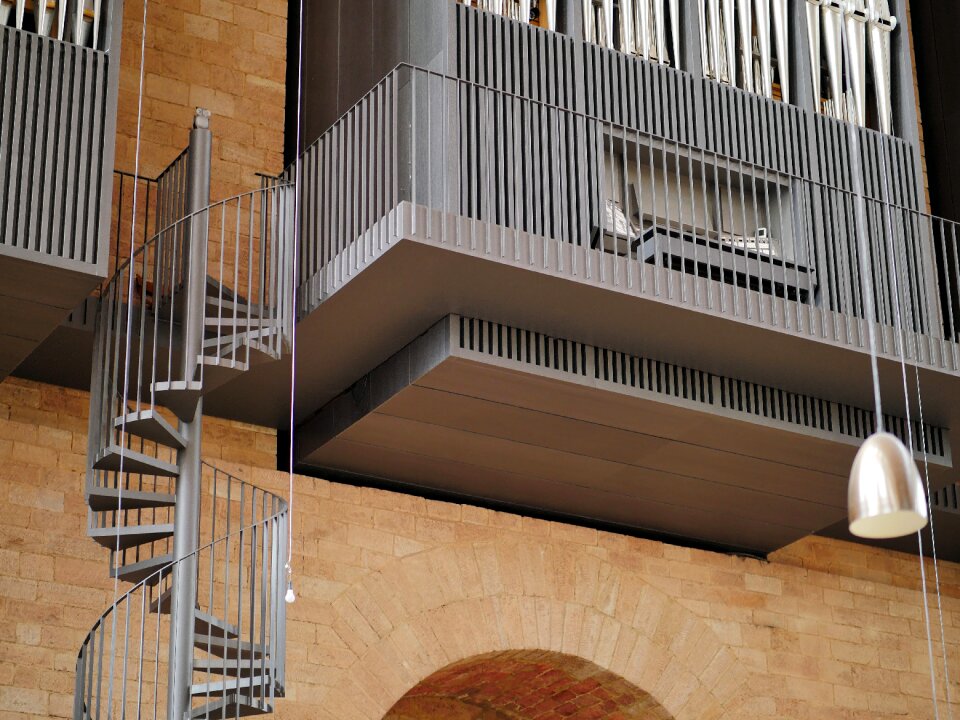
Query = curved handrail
x=196 y=213
x=259 y=578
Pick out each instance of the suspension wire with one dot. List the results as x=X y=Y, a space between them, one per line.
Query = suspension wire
x=899 y=331
x=293 y=284
x=870 y=317
x=130 y=291
x=922 y=439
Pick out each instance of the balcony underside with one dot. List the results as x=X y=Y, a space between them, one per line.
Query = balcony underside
x=37 y=293
x=481 y=410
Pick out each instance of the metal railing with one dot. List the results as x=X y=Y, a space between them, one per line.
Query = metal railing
x=146 y=371
x=245 y=304
x=500 y=175
x=239 y=638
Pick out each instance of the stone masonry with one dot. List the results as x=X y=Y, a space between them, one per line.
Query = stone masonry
x=394 y=588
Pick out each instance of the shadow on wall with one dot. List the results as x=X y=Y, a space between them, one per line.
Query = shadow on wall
x=526 y=685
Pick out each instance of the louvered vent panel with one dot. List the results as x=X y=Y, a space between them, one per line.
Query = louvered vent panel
x=688 y=384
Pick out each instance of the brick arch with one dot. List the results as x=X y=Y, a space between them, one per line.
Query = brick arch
x=526 y=685
x=420 y=614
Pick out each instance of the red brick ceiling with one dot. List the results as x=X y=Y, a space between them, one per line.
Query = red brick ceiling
x=526 y=685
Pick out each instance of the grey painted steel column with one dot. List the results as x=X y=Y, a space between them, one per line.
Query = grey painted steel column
x=186 y=532
x=198 y=174
x=187 y=517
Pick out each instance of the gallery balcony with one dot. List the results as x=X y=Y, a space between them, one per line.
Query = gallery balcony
x=506 y=300
x=58 y=83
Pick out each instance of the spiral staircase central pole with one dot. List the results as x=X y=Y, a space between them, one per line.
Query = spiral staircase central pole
x=187 y=515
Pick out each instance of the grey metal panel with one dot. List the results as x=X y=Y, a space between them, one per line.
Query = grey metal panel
x=52 y=127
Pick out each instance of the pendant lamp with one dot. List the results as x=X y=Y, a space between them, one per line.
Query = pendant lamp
x=885 y=498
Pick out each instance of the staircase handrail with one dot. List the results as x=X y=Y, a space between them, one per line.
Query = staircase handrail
x=90 y=690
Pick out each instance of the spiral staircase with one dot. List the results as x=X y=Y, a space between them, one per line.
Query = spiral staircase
x=201 y=632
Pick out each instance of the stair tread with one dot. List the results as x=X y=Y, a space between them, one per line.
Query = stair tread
x=229 y=648
x=143 y=570
x=180 y=396
x=205 y=622
x=241 y=337
x=233 y=705
x=113 y=456
x=106 y=498
x=226 y=666
x=130 y=535
x=151 y=425
x=254 y=685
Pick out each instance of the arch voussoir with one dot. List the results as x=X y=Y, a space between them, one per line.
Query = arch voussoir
x=491 y=597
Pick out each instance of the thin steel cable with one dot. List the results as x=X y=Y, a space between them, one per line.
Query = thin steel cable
x=293 y=285
x=899 y=331
x=130 y=274
x=870 y=317
x=923 y=437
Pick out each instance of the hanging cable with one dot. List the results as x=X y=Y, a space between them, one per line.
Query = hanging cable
x=871 y=319
x=888 y=232
x=130 y=291
x=291 y=596
x=899 y=331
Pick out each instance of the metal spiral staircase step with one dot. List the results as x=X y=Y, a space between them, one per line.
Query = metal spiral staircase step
x=114 y=458
x=151 y=425
x=253 y=350
x=205 y=624
x=104 y=499
x=221 y=666
x=162 y=603
x=219 y=371
x=226 y=308
x=143 y=570
x=231 y=706
x=228 y=648
x=180 y=396
x=252 y=686
x=208 y=625
x=228 y=323
x=130 y=535
x=241 y=338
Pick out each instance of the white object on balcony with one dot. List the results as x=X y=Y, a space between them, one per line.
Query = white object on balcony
x=745 y=15
x=730 y=41
x=712 y=40
x=628 y=33
x=660 y=25
x=607 y=23
x=589 y=21
x=761 y=10
x=833 y=40
x=675 y=31
x=813 y=39
x=781 y=34
x=5 y=7
x=855 y=21
x=19 y=13
x=548 y=14
x=61 y=19
x=43 y=16
x=881 y=24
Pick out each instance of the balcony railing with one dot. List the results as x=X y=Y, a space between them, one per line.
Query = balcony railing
x=80 y=22
x=494 y=174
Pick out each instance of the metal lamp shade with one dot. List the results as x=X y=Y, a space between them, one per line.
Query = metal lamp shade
x=885 y=498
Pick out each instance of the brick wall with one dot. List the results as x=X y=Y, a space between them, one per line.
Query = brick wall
x=225 y=55
x=393 y=588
